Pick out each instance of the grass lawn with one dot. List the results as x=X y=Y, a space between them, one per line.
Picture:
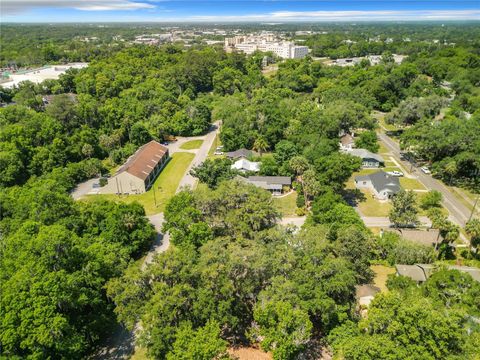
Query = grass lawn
x=383 y=149
x=191 y=145
x=139 y=354
x=411 y=184
x=372 y=207
x=381 y=121
x=460 y=195
x=391 y=168
x=286 y=205
x=381 y=274
x=165 y=186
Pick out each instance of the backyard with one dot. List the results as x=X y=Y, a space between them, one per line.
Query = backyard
x=381 y=275
x=155 y=199
x=287 y=204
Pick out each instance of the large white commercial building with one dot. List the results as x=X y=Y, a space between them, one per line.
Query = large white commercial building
x=38 y=75
x=266 y=43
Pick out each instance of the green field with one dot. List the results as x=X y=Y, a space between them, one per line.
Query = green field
x=411 y=184
x=191 y=145
x=286 y=205
x=165 y=186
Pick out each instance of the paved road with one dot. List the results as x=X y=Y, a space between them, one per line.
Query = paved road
x=162 y=241
x=122 y=342
x=200 y=156
x=459 y=213
x=84 y=188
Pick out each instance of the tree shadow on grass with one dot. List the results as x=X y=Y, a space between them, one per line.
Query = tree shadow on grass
x=354 y=196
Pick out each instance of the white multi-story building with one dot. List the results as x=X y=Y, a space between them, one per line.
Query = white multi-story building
x=265 y=43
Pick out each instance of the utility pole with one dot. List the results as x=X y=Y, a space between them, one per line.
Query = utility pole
x=154 y=195
x=473 y=209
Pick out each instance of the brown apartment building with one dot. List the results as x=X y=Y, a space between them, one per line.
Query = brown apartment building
x=140 y=170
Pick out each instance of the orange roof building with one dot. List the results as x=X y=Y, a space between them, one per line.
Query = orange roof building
x=139 y=172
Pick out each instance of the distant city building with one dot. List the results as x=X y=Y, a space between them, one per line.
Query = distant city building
x=374 y=60
x=11 y=79
x=266 y=43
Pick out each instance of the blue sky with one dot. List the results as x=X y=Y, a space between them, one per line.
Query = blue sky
x=278 y=11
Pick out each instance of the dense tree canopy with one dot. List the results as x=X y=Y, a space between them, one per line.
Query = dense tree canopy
x=231 y=275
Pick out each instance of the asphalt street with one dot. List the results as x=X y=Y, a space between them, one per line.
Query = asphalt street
x=459 y=213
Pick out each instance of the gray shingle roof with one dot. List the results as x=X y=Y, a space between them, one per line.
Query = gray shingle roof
x=414 y=272
x=421 y=272
x=425 y=237
x=365 y=154
x=239 y=154
x=381 y=180
x=272 y=180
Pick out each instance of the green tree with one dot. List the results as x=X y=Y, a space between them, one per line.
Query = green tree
x=367 y=140
x=431 y=199
x=201 y=344
x=260 y=145
x=213 y=171
x=283 y=328
x=472 y=228
x=139 y=134
x=404 y=211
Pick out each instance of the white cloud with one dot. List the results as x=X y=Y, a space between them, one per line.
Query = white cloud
x=367 y=15
x=9 y=7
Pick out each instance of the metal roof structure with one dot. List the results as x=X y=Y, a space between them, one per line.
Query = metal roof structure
x=244 y=164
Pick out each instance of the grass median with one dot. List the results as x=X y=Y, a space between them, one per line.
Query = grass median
x=191 y=145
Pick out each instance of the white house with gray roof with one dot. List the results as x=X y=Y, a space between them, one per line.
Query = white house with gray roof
x=274 y=184
x=246 y=165
x=369 y=159
x=383 y=185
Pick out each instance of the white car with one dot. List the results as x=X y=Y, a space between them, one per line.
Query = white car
x=425 y=170
x=395 y=173
x=218 y=153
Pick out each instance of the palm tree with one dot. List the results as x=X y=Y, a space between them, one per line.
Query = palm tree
x=451 y=169
x=260 y=145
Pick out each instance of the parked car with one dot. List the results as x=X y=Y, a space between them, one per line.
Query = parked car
x=218 y=153
x=219 y=148
x=95 y=185
x=425 y=170
x=165 y=143
x=395 y=173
